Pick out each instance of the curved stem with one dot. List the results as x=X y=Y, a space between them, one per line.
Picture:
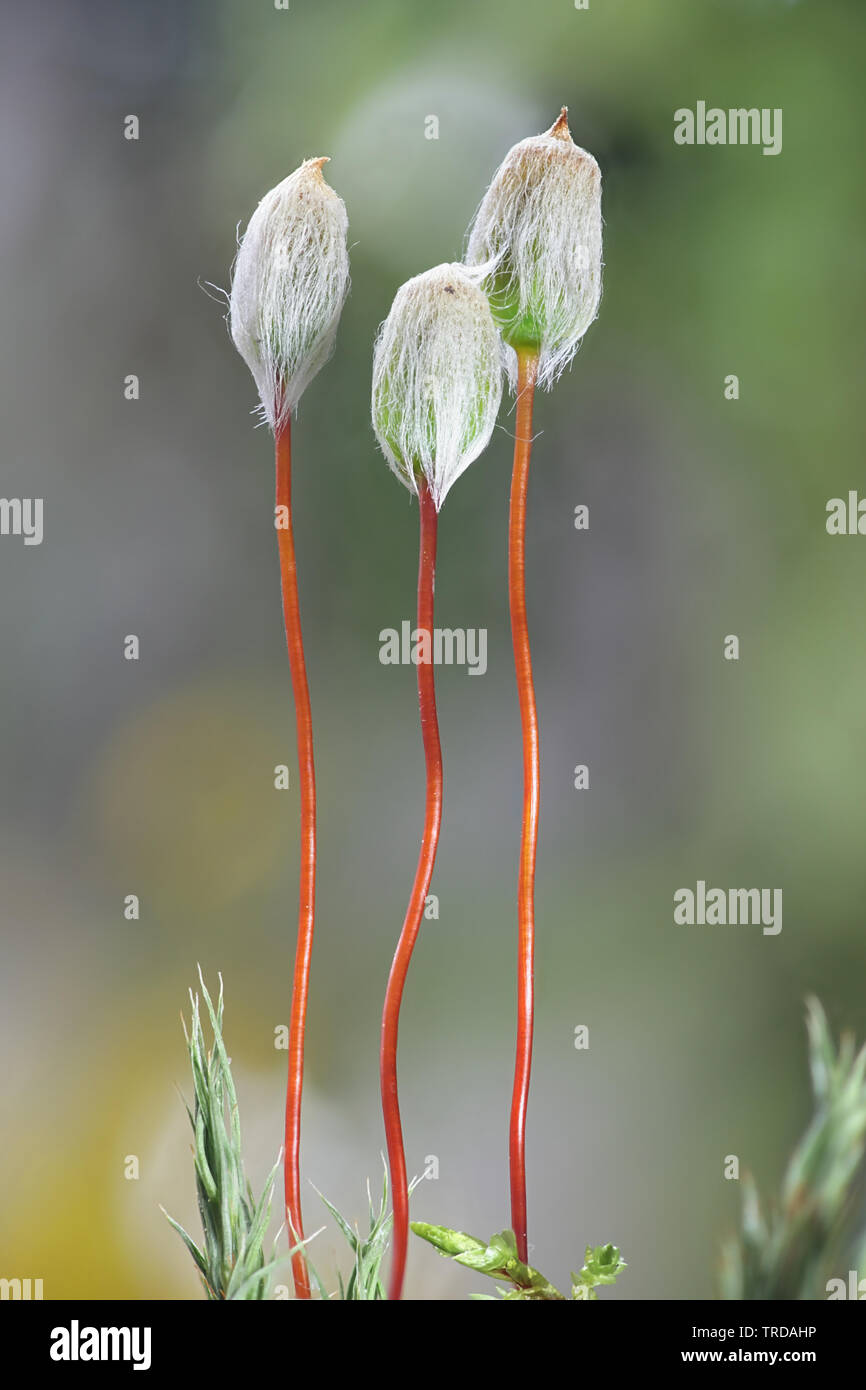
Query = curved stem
x=307 y=889
x=527 y=369
x=423 y=875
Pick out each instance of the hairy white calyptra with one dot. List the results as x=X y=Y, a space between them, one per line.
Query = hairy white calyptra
x=437 y=378
x=537 y=237
x=290 y=281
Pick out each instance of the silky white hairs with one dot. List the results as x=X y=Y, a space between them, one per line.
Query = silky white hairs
x=537 y=238
x=437 y=378
x=290 y=281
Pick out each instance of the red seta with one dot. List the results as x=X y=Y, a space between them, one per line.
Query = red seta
x=307 y=888
x=420 y=887
x=527 y=369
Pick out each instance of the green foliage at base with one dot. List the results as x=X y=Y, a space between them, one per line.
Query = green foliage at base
x=499 y=1259
x=364 y=1282
x=806 y=1239
x=231 y=1260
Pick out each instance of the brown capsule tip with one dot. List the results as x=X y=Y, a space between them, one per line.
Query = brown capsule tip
x=559 y=130
x=315 y=165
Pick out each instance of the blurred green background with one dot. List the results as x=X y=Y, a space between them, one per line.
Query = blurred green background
x=706 y=518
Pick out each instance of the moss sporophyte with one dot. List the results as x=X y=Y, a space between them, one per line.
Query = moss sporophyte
x=536 y=239
x=289 y=284
x=534 y=271
x=437 y=385
x=525 y=295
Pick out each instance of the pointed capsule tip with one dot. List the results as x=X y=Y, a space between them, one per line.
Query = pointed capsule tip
x=559 y=130
x=315 y=165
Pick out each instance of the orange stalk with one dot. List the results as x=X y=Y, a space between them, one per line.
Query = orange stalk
x=420 y=887
x=307 y=890
x=527 y=369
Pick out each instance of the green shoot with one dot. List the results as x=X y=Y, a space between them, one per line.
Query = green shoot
x=499 y=1259
x=806 y=1239
x=364 y=1282
x=231 y=1260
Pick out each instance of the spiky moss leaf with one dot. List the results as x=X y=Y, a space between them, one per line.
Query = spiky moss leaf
x=364 y=1282
x=350 y=1235
x=190 y=1244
